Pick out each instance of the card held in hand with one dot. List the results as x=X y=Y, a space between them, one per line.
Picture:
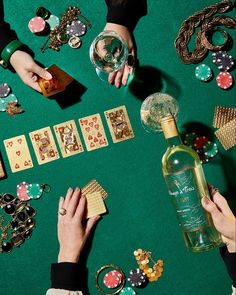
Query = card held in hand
x=18 y=153
x=95 y=204
x=68 y=138
x=44 y=145
x=119 y=124
x=93 y=132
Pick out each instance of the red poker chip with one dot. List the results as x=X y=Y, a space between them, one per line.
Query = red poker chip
x=199 y=142
x=21 y=191
x=112 y=279
x=224 y=80
x=37 y=24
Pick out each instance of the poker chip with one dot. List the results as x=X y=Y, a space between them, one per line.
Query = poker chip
x=203 y=158
x=4 y=90
x=21 y=191
x=210 y=149
x=43 y=12
x=224 y=80
x=112 y=279
x=6 y=100
x=190 y=138
x=53 y=21
x=223 y=61
x=34 y=190
x=77 y=28
x=137 y=277
x=74 y=42
x=203 y=72
x=37 y=25
x=199 y=142
x=63 y=37
x=127 y=291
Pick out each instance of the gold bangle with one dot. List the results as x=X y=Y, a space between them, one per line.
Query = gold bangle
x=206 y=39
x=102 y=269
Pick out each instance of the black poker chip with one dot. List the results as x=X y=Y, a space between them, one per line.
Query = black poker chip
x=223 y=61
x=137 y=278
x=203 y=157
x=189 y=139
x=4 y=90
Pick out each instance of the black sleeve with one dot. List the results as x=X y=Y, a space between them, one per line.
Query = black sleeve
x=126 y=12
x=65 y=276
x=230 y=262
x=6 y=34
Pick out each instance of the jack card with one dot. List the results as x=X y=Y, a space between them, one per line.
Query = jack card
x=119 y=124
x=44 y=145
x=18 y=153
x=68 y=138
x=93 y=132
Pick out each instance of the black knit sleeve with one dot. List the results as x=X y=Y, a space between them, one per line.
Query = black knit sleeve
x=65 y=276
x=126 y=12
x=230 y=262
x=6 y=34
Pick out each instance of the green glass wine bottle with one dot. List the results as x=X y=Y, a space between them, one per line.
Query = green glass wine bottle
x=186 y=185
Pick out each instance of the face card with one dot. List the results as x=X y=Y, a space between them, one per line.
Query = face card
x=93 y=132
x=95 y=204
x=94 y=186
x=18 y=153
x=68 y=138
x=44 y=145
x=57 y=84
x=119 y=124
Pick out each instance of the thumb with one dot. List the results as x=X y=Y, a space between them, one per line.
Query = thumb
x=90 y=224
x=41 y=72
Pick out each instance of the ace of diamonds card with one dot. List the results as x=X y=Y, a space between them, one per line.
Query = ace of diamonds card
x=18 y=153
x=44 y=145
x=119 y=124
x=93 y=132
x=68 y=138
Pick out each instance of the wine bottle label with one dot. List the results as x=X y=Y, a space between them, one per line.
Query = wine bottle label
x=184 y=193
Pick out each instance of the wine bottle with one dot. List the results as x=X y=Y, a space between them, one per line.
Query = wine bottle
x=186 y=185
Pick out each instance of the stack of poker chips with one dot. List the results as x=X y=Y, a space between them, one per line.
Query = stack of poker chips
x=205 y=148
x=8 y=101
x=224 y=63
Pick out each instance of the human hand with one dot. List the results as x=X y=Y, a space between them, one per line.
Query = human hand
x=121 y=76
x=223 y=218
x=72 y=234
x=28 y=70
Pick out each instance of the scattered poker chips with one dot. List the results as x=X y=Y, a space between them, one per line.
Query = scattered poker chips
x=127 y=291
x=203 y=72
x=223 y=61
x=53 y=21
x=4 y=90
x=205 y=148
x=4 y=101
x=77 y=28
x=37 y=25
x=74 y=42
x=26 y=191
x=137 y=278
x=224 y=80
x=112 y=279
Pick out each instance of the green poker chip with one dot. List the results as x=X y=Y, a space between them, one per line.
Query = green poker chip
x=190 y=138
x=203 y=73
x=210 y=149
x=34 y=191
x=127 y=291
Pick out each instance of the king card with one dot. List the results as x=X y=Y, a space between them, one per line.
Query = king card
x=93 y=132
x=68 y=138
x=119 y=124
x=44 y=145
x=18 y=153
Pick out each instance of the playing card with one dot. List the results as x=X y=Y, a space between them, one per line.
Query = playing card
x=2 y=172
x=44 y=145
x=95 y=204
x=119 y=124
x=18 y=153
x=93 y=186
x=57 y=84
x=93 y=132
x=68 y=138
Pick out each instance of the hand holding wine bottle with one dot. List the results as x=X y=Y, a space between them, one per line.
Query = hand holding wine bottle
x=223 y=218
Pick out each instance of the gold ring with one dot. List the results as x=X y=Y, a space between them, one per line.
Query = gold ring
x=62 y=211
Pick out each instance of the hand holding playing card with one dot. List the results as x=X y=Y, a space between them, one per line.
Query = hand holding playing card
x=28 y=70
x=72 y=234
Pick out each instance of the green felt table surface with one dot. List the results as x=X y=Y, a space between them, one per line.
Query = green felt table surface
x=140 y=214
